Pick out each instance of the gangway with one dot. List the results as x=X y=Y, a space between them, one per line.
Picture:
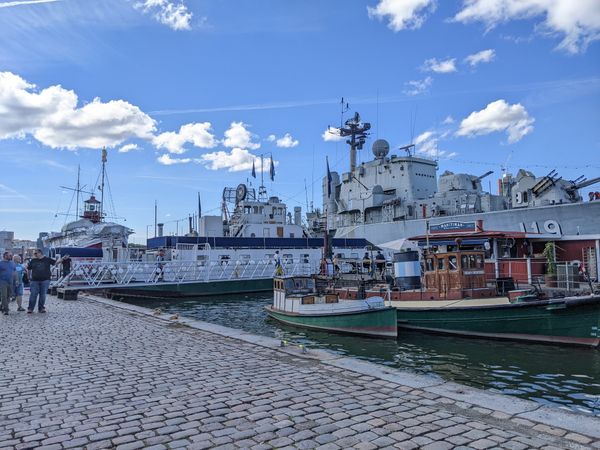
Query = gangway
x=101 y=275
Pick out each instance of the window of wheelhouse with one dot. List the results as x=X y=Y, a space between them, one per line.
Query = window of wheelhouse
x=452 y=262
x=429 y=265
x=441 y=263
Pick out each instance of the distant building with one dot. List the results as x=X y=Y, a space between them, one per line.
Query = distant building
x=6 y=240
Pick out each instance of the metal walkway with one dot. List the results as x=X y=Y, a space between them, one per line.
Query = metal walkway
x=103 y=275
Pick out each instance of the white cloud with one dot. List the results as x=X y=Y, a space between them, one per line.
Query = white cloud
x=235 y=160
x=198 y=134
x=175 y=16
x=25 y=2
x=332 y=134
x=484 y=56
x=427 y=135
x=271 y=138
x=402 y=14
x=168 y=161
x=448 y=120
x=498 y=116
x=427 y=144
x=128 y=148
x=238 y=136
x=52 y=117
x=416 y=87
x=445 y=66
x=287 y=141
x=577 y=20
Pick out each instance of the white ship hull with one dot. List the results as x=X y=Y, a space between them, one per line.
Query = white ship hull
x=565 y=221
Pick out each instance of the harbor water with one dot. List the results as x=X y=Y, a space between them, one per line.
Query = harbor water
x=559 y=376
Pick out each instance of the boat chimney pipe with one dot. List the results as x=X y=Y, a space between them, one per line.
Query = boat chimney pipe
x=297 y=215
x=160 y=229
x=191 y=224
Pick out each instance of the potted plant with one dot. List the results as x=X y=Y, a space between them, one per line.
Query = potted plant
x=550 y=255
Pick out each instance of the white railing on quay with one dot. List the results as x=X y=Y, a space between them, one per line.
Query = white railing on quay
x=95 y=274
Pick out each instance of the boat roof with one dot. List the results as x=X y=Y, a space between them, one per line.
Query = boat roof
x=274 y=243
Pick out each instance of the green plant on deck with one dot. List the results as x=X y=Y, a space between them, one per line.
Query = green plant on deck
x=550 y=255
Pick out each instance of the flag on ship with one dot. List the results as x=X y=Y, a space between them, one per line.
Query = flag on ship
x=253 y=170
x=199 y=206
x=272 y=170
x=328 y=178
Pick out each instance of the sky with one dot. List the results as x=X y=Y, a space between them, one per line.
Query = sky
x=187 y=94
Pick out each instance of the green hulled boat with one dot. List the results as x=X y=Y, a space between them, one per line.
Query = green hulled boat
x=297 y=302
x=569 y=320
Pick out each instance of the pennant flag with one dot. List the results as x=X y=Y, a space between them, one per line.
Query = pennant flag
x=253 y=170
x=272 y=170
x=328 y=178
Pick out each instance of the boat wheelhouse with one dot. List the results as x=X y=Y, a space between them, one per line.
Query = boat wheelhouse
x=303 y=302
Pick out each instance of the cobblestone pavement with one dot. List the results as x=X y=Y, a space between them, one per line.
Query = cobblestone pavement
x=88 y=375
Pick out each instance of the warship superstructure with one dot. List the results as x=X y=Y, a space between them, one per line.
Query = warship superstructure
x=397 y=196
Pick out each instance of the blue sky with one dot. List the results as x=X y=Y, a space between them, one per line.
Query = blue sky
x=185 y=94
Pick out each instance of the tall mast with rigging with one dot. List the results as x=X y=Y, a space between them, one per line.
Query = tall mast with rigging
x=104 y=155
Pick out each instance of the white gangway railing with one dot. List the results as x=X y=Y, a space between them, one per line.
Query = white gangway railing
x=96 y=274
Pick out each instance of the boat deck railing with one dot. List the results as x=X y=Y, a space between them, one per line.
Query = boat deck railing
x=105 y=274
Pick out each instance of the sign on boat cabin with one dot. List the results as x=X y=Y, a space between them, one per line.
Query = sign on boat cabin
x=456 y=274
x=456 y=226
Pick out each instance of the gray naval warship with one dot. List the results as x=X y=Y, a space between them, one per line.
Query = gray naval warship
x=398 y=196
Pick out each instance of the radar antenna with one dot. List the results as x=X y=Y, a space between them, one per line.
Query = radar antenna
x=358 y=132
x=409 y=149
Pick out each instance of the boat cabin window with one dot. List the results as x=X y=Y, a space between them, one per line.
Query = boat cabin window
x=288 y=258
x=471 y=262
x=453 y=262
x=299 y=285
x=245 y=259
x=429 y=265
x=442 y=264
x=224 y=259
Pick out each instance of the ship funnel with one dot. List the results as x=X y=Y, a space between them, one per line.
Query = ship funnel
x=297 y=215
x=160 y=229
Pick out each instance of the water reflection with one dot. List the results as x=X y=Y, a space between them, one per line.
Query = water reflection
x=566 y=377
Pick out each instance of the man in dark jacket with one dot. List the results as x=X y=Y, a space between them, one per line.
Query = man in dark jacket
x=40 y=268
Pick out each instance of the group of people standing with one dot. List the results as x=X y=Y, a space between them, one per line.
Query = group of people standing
x=37 y=272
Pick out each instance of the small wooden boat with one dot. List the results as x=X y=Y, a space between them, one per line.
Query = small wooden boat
x=458 y=275
x=456 y=299
x=569 y=320
x=296 y=301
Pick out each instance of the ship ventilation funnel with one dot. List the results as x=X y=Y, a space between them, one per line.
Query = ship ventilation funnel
x=160 y=229
x=297 y=215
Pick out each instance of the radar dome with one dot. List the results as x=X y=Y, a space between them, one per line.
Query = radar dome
x=380 y=148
